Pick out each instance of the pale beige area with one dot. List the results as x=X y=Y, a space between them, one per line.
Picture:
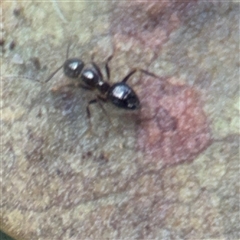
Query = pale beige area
x=61 y=182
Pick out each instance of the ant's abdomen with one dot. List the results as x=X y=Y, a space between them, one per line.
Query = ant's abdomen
x=123 y=96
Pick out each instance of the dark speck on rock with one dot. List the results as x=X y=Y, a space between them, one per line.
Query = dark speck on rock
x=102 y=158
x=12 y=45
x=17 y=11
x=2 y=41
x=36 y=63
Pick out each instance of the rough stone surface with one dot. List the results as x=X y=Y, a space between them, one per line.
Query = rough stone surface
x=168 y=171
x=174 y=127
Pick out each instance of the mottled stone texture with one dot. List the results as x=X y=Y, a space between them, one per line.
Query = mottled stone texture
x=174 y=127
x=168 y=171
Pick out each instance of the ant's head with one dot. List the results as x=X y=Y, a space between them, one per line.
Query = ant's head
x=73 y=67
x=122 y=96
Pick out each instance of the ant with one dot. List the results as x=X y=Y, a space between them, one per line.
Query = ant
x=90 y=77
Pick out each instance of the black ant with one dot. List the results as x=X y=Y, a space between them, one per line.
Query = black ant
x=90 y=77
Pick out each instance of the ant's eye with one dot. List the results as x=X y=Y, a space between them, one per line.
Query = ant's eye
x=73 y=67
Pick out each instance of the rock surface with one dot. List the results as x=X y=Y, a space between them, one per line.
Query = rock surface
x=169 y=171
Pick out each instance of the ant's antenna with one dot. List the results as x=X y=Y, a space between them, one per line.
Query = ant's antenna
x=19 y=77
x=68 y=47
x=50 y=77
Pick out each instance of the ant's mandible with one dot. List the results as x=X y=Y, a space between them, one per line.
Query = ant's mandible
x=90 y=77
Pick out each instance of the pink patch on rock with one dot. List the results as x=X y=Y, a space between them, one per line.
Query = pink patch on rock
x=173 y=125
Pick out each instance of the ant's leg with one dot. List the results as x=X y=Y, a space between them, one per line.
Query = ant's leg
x=103 y=99
x=71 y=85
x=140 y=70
x=97 y=69
x=129 y=75
x=98 y=100
x=83 y=87
x=88 y=110
x=61 y=88
x=148 y=73
x=89 y=113
x=107 y=69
